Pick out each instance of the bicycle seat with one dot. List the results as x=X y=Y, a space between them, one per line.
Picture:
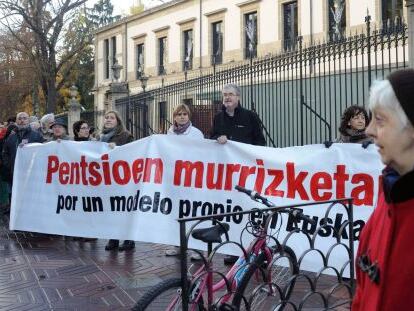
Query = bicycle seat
x=210 y=235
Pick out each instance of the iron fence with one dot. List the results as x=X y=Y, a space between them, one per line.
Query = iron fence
x=299 y=94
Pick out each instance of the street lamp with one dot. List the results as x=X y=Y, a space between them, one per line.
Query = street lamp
x=144 y=80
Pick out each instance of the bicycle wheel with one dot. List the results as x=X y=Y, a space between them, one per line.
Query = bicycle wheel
x=164 y=296
x=265 y=295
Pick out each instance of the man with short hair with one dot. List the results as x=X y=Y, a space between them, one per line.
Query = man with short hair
x=23 y=135
x=384 y=262
x=237 y=124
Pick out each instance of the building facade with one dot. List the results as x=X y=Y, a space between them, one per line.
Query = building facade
x=184 y=38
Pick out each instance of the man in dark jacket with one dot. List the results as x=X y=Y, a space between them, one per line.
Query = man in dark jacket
x=23 y=135
x=237 y=124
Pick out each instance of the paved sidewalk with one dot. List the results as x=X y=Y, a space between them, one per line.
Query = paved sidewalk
x=42 y=272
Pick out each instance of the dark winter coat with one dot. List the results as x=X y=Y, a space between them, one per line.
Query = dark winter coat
x=121 y=137
x=387 y=240
x=244 y=127
x=10 y=148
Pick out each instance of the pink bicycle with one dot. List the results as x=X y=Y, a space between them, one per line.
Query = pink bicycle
x=274 y=265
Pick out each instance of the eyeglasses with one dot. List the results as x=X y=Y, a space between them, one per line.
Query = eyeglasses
x=84 y=128
x=229 y=94
x=371 y=268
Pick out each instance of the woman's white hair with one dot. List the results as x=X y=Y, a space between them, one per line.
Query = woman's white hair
x=382 y=95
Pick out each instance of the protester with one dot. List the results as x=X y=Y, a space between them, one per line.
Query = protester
x=23 y=134
x=34 y=123
x=4 y=191
x=354 y=121
x=237 y=124
x=81 y=131
x=183 y=126
x=114 y=133
x=45 y=122
x=59 y=130
x=384 y=262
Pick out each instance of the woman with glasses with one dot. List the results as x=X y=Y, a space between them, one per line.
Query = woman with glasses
x=81 y=131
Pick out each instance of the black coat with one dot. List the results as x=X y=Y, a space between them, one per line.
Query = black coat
x=10 y=148
x=244 y=127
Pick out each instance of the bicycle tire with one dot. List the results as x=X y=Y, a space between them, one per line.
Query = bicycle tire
x=161 y=296
x=284 y=273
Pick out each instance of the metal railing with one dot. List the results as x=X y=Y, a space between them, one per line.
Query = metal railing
x=299 y=94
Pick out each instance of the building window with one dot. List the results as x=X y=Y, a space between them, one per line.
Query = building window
x=250 y=35
x=109 y=56
x=162 y=55
x=217 y=38
x=106 y=57
x=391 y=9
x=290 y=24
x=188 y=50
x=140 y=60
x=337 y=19
x=113 y=43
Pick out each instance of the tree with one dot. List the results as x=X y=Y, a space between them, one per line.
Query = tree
x=46 y=21
x=101 y=14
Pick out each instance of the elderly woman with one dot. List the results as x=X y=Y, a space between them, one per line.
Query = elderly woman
x=114 y=133
x=59 y=130
x=182 y=124
x=354 y=121
x=384 y=263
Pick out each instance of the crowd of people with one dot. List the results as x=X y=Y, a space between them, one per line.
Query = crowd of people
x=384 y=242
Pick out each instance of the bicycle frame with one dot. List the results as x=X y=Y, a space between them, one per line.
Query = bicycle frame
x=235 y=274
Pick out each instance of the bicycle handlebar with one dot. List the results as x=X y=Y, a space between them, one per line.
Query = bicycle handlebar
x=256 y=196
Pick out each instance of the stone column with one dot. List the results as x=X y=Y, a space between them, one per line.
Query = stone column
x=116 y=89
x=410 y=20
x=74 y=110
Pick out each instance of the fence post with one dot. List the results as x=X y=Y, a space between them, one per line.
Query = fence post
x=368 y=23
x=74 y=109
x=410 y=13
x=302 y=96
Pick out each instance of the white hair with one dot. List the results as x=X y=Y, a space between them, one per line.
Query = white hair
x=47 y=118
x=382 y=95
x=232 y=86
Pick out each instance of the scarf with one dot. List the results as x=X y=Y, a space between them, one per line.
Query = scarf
x=180 y=129
x=354 y=136
x=107 y=134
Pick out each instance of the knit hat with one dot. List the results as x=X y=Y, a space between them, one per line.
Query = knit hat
x=402 y=81
x=59 y=121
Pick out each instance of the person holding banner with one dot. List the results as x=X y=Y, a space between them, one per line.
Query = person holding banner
x=237 y=124
x=354 y=121
x=81 y=131
x=115 y=134
x=183 y=126
x=384 y=262
x=59 y=130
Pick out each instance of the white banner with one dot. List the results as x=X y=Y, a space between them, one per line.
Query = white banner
x=137 y=191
